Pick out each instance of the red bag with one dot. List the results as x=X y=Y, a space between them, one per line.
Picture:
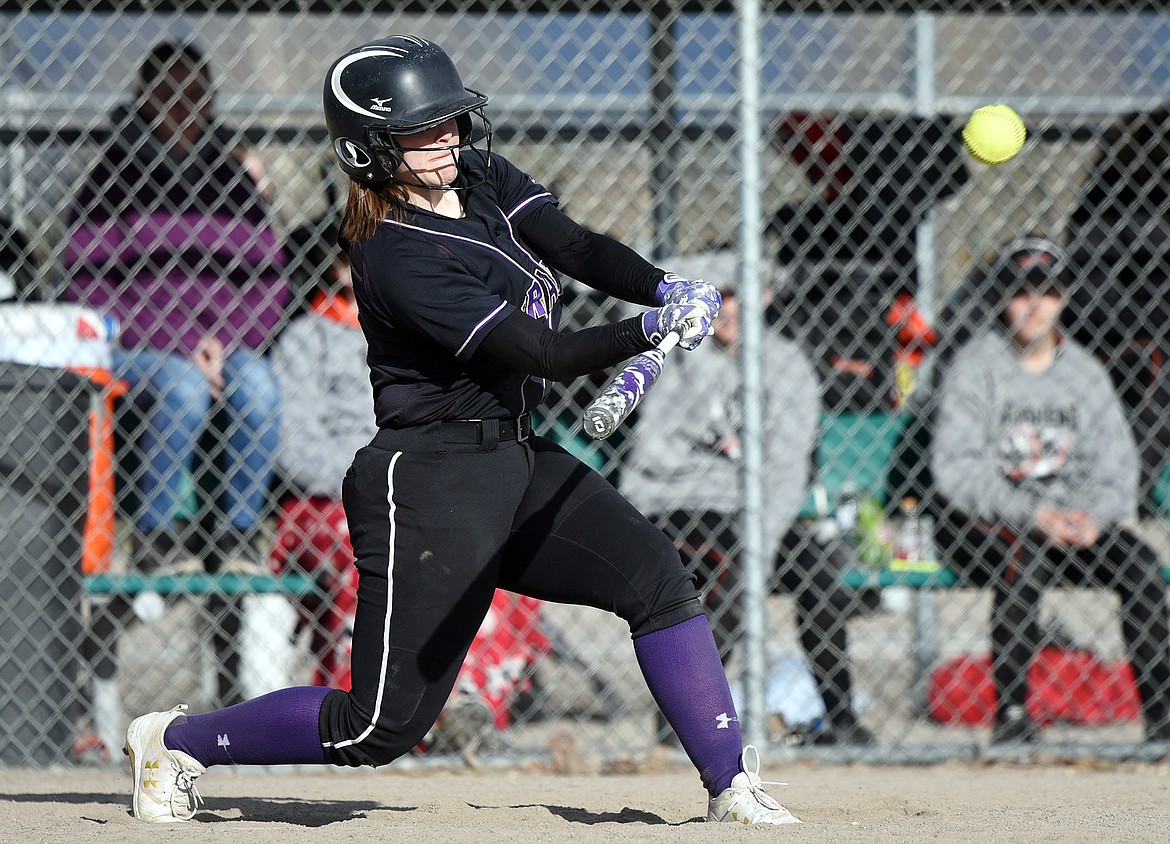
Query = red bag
x=1071 y=686
x=508 y=644
x=312 y=537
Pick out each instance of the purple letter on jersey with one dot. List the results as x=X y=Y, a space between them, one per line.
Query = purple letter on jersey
x=542 y=294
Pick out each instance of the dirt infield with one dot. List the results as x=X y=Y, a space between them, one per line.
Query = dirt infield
x=951 y=802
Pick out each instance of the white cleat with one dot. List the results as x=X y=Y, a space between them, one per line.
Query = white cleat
x=164 y=780
x=745 y=801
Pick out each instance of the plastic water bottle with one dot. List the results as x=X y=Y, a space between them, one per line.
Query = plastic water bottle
x=910 y=545
x=875 y=545
x=914 y=549
x=825 y=529
x=847 y=507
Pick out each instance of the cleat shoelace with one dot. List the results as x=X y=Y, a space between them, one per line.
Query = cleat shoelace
x=755 y=784
x=185 y=785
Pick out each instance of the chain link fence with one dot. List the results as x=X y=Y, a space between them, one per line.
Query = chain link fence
x=880 y=241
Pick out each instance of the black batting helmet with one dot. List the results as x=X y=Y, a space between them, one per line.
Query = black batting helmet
x=398 y=85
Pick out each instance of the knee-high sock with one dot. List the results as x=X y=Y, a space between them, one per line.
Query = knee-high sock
x=279 y=728
x=682 y=668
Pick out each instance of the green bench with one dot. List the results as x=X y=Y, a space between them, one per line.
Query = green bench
x=924 y=613
x=881 y=578
x=202 y=583
x=859 y=449
x=942 y=579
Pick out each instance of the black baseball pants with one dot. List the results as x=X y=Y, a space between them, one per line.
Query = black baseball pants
x=439 y=521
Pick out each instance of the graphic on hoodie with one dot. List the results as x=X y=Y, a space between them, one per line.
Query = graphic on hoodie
x=1036 y=441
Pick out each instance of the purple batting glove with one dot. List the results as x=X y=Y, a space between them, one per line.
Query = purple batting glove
x=674 y=289
x=693 y=316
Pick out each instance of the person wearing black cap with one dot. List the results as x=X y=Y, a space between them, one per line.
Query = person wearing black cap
x=1036 y=470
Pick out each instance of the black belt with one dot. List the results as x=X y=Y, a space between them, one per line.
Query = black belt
x=482 y=430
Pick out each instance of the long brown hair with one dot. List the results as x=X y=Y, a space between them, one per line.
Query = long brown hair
x=367 y=206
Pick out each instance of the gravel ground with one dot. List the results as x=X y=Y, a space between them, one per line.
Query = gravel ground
x=1089 y=801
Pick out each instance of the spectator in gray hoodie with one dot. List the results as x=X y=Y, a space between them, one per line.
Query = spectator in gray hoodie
x=682 y=472
x=327 y=414
x=1037 y=470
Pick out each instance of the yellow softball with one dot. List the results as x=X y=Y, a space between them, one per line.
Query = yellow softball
x=994 y=134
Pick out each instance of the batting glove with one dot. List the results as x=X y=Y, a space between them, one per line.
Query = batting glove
x=694 y=317
x=674 y=289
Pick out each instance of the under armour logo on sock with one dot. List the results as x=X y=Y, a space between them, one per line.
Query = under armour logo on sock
x=222 y=741
x=724 y=720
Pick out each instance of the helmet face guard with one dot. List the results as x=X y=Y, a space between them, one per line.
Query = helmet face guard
x=397 y=86
x=474 y=128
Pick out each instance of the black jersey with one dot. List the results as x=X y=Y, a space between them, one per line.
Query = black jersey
x=430 y=288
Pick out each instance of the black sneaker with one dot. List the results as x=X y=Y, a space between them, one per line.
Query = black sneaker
x=237 y=553
x=159 y=552
x=1015 y=728
x=1158 y=731
x=848 y=734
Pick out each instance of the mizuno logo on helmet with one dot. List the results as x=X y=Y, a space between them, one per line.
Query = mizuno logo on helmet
x=380 y=104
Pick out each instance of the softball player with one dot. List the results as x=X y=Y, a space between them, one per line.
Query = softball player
x=455 y=254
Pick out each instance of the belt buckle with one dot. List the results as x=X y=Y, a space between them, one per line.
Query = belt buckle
x=521 y=434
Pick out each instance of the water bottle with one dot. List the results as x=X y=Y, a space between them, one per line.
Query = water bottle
x=874 y=544
x=846 y=513
x=825 y=529
x=914 y=547
x=910 y=546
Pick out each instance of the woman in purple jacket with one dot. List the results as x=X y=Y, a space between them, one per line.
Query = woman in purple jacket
x=170 y=235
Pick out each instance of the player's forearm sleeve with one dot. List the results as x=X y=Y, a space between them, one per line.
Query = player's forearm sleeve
x=594 y=259
x=525 y=345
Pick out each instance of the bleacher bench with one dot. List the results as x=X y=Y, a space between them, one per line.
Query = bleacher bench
x=944 y=578
x=924 y=616
x=202 y=583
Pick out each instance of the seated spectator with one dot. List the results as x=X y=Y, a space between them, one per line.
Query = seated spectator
x=1036 y=470
x=1119 y=237
x=682 y=471
x=851 y=247
x=326 y=415
x=171 y=236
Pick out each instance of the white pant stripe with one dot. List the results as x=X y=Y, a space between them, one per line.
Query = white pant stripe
x=389 y=611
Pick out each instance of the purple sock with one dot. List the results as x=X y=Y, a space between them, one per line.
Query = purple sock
x=682 y=668
x=279 y=728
